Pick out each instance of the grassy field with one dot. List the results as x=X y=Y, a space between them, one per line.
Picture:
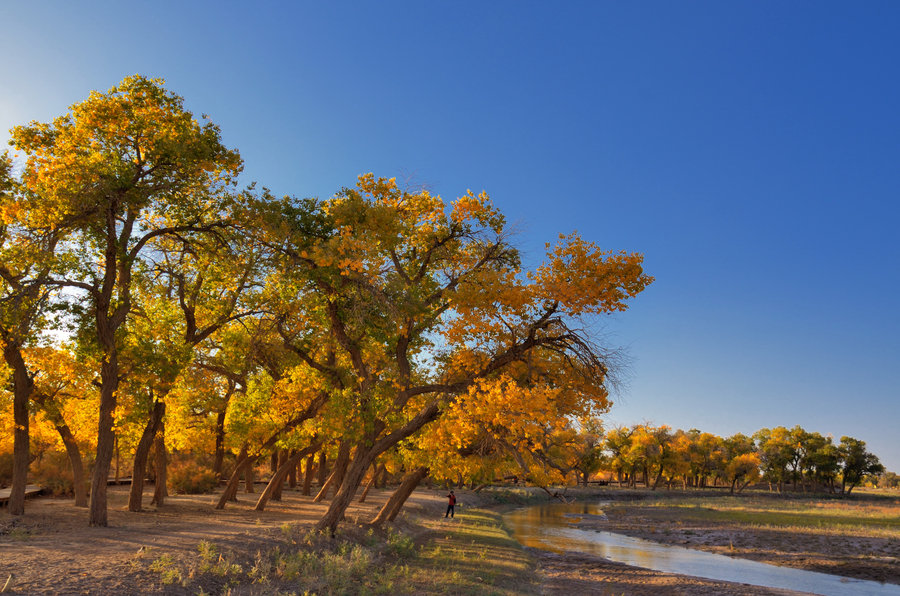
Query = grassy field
x=866 y=514
x=472 y=555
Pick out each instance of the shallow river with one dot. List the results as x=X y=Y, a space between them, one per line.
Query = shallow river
x=550 y=527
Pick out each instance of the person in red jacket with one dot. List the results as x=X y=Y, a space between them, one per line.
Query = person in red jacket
x=451 y=503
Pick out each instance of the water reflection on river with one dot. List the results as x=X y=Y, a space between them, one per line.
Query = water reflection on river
x=550 y=527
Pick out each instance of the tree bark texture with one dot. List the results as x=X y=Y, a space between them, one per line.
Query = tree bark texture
x=141 y=454
x=395 y=503
x=109 y=382
x=75 y=460
x=347 y=489
x=280 y=474
x=337 y=475
x=161 y=490
x=22 y=389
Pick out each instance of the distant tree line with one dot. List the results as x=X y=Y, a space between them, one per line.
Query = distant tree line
x=780 y=457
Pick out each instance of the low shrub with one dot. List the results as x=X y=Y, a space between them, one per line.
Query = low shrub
x=54 y=472
x=191 y=479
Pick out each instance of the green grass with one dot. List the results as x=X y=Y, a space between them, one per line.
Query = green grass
x=472 y=554
x=870 y=517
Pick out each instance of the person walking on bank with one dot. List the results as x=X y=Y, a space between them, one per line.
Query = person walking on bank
x=451 y=503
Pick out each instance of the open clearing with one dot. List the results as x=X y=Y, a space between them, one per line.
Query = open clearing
x=186 y=547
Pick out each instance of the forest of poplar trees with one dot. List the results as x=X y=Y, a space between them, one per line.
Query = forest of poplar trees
x=157 y=317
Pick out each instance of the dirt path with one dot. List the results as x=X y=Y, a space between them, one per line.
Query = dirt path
x=51 y=549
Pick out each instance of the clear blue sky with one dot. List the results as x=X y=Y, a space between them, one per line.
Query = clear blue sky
x=751 y=150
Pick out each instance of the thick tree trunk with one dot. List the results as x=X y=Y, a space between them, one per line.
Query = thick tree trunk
x=161 y=490
x=395 y=503
x=363 y=458
x=280 y=474
x=352 y=479
x=141 y=453
x=109 y=382
x=22 y=389
x=308 y=476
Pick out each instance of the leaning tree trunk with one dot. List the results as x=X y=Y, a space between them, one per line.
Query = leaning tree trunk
x=395 y=503
x=337 y=475
x=366 y=452
x=231 y=488
x=141 y=453
x=370 y=483
x=161 y=491
x=352 y=479
x=22 y=389
x=280 y=474
x=51 y=410
x=246 y=460
x=279 y=486
x=320 y=496
x=74 y=453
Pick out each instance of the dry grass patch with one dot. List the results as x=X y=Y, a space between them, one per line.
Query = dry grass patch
x=472 y=554
x=869 y=516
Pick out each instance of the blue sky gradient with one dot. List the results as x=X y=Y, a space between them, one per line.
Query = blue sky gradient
x=751 y=151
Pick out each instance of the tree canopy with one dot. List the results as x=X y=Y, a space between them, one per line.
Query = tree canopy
x=381 y=330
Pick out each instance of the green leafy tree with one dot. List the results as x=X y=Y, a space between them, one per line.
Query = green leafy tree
x=117 y=172
x=857 y=463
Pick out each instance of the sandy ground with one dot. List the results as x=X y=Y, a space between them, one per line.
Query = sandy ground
x=51 y=549
x=569 y=574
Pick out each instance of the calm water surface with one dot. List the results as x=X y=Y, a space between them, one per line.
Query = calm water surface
x=549 y=527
